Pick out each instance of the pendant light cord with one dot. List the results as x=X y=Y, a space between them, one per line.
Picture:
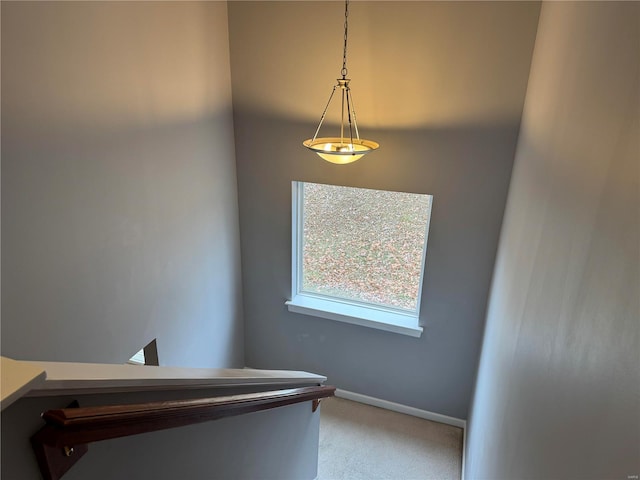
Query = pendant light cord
x=343 y=72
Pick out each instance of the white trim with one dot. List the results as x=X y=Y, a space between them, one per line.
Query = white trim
x=82 y=378
x=424 y=254
x=464 y=449
x=18 y=378
x=296 y=235
x=355 y=314
x=397 y=407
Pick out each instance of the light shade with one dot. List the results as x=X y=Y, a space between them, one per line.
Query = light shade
x=340 y=150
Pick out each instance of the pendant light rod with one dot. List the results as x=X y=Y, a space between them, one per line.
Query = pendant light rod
x=324 y=114
x=353 y=110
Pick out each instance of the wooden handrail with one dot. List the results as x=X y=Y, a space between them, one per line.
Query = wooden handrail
x=64 y=438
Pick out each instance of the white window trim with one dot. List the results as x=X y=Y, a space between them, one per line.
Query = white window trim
x=367 y=315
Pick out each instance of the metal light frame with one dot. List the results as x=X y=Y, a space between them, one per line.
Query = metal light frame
x=343 y=149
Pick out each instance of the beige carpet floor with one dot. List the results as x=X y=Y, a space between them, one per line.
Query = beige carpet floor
x=360 y=442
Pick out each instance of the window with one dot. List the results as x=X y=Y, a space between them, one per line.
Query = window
x=147 y=355
x=358 y=255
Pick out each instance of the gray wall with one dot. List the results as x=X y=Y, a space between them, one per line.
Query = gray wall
x=119 y=202
x=558 y=391
x=441 y=86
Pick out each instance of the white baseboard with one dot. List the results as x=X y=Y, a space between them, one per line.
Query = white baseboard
x=397 y=407
x=464 y=449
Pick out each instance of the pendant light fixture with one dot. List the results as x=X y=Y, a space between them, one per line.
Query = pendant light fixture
x=345 y=148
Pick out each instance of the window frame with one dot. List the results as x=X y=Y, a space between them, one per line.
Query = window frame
x=391 y=319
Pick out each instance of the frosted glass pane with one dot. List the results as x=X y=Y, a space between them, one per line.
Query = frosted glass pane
x=364 y=245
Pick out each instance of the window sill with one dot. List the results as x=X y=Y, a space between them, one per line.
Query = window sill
x=404 y=324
